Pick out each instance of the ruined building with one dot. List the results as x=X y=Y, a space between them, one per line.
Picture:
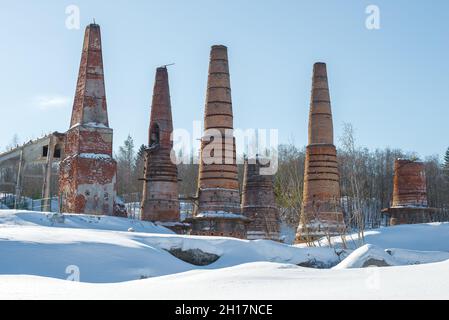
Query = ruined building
x=218 y=210
x=321 y=213
x=409 y=194
x=30 y=167
x=160 y=192
x=87 y=180
x=258 y=202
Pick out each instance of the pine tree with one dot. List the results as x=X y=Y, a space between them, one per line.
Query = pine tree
x=125 y=167
x=140 y=165
x=141 y=152
x=446 y=160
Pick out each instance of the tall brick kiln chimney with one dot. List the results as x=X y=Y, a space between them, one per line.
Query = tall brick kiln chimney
x=258 y=202
x=87 y=180
x=160 y=192
x=218 y=183
x=409 y=194
x=218 y=211
x=321 y=211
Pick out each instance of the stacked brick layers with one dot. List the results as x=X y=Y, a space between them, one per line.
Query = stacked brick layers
x=219 y=226
x=258 y=203
x=321 y=213
x=409 y=194
x=218 y=182
x=160 y=191
x=218 y=185
x=410 y=186
x=87 y=180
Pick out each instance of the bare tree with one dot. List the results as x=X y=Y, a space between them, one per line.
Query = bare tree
x=352 y=164
x=14 y=143
x=289 y=183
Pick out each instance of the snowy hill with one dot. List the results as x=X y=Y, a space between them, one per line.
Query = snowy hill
x=39 y=251
x=32 y=243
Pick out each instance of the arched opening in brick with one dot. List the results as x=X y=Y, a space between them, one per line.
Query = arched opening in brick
x=155 y=135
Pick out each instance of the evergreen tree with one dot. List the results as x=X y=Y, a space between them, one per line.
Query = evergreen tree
x=125 y=167
x=139 y=166
x=446 y=160
x=141 y=152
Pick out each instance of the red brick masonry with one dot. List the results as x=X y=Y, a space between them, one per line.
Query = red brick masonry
x=321 y=213
x=87 y=180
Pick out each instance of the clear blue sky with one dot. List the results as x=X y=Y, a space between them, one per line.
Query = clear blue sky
x=392 y=84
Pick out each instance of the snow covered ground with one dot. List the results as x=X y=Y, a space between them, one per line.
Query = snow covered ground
x=261 y=280
x=104 y=250
x=371 y=255
x=423 y=237
x=128 y=259
x=10 y=218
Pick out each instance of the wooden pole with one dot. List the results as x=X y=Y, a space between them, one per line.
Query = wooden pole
x=46 y=186
x=19 y=180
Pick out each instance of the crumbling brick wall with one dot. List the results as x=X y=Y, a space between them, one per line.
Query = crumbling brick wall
x=87 y=181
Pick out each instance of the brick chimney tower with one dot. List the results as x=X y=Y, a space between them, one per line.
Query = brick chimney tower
x=218 y=211
x=410 y=186
x=321 y=211
x=409 y=194
x=258 y=202
x=87 y=180
x=160 y=192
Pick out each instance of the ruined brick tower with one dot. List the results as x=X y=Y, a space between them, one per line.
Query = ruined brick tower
x=410 y=186
x=88 y=173
x=160 y=192
x=218 y=211
x=258 y=202
x=321 y=211
x=409 y=194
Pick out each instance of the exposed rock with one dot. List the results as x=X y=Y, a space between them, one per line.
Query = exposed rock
x=196 y=257
x=322 y=263
x=315 y=264
x=56 y=218
x=373 y=262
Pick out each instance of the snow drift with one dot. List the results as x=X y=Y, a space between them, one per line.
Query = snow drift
x=254 y=281
x=103 y=250
x=39 y=251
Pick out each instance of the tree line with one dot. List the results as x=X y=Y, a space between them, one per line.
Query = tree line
x=366 y=178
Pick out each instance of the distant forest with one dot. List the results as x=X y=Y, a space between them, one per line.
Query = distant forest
x=366 y=178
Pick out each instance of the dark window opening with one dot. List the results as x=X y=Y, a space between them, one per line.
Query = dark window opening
x=57 y=152
x=45 y=151
x=155 y=135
